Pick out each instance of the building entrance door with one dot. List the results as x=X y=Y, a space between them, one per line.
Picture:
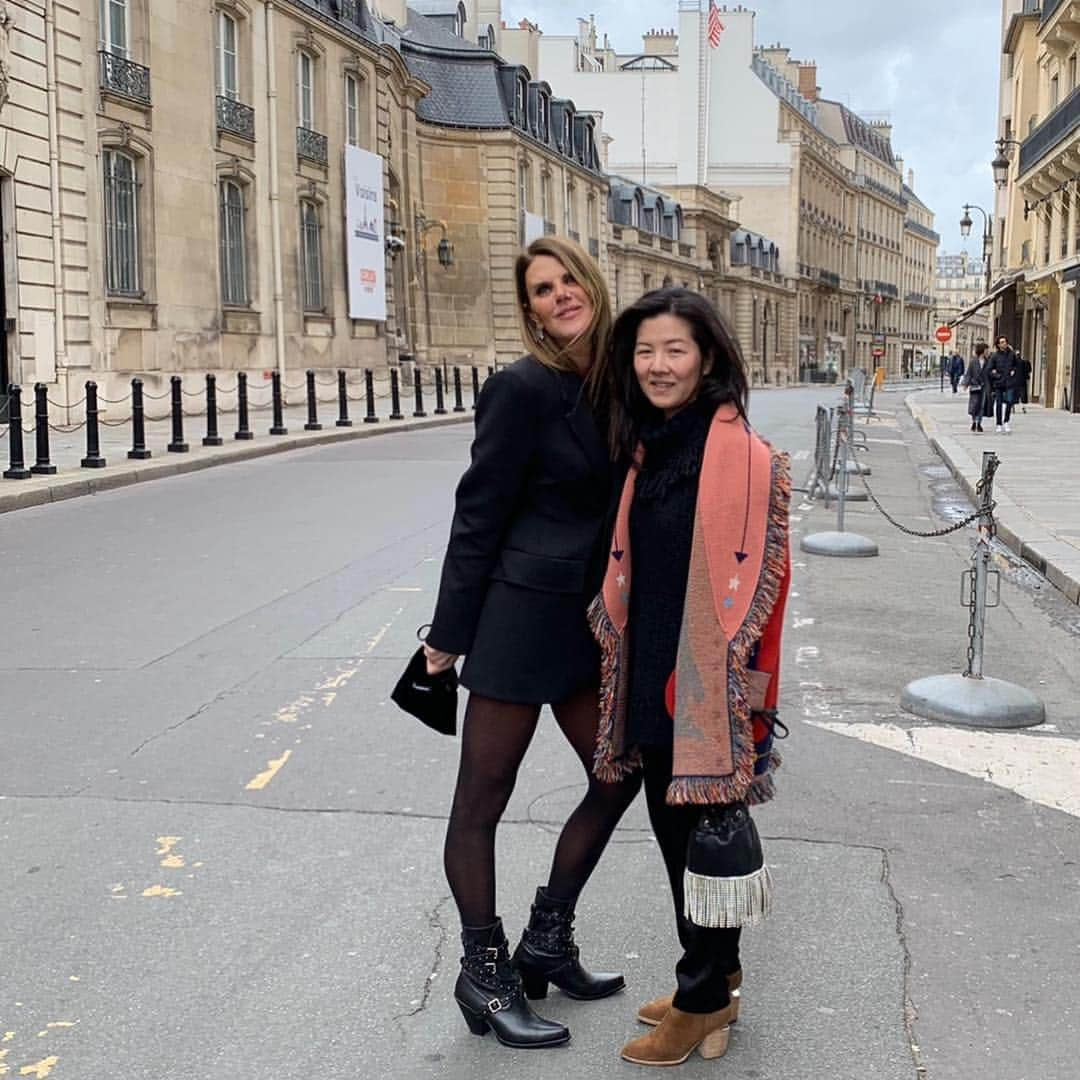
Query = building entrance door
x=5 y=370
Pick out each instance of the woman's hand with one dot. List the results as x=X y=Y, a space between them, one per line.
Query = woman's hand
x=437 y=660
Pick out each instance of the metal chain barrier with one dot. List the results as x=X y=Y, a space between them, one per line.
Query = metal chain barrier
x=981 y=512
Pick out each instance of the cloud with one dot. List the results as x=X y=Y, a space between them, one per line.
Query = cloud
x=932 y=67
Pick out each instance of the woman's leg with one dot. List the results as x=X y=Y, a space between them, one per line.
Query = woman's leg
x=494 y=740
x=709 y=955
x=589 y=828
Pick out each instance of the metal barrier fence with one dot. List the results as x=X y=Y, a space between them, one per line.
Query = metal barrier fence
x=373 y=391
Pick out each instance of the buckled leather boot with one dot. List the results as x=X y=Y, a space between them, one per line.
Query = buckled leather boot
x=490 y=994
x=547 y=954
x=652 y=1012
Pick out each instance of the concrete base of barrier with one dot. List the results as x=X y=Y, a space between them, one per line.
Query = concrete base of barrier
x=979 y=703
x=856 y=468
x=841 y=544
x=853 y=494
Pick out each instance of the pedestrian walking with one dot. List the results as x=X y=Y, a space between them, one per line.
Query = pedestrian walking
x=977 y=381
x=691 y=643
x=1002 y=372
x=524 y=559
x=956 y=370
x=1023 y=377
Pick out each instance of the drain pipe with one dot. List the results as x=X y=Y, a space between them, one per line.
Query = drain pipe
x=60 y=330
x=275 y=190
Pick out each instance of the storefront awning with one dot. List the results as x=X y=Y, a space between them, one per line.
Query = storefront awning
x=989 y=298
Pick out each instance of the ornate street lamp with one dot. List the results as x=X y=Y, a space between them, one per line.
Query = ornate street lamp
x=1001 y=163
x=988 y=238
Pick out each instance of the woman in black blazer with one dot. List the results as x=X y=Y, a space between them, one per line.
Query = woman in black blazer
x=525 y=558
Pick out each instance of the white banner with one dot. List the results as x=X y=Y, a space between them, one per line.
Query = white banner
x=365 y=255
x=534 y=227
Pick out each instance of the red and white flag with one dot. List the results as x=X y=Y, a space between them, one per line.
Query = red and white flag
x=716 y=27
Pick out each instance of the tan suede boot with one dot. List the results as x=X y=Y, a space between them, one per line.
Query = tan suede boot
x=678 y=1035
x=652 y=1012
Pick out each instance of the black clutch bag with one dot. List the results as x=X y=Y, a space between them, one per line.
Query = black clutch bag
x=432 y=699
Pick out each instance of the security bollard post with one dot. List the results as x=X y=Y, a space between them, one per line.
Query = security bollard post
x=17 y=469
x=138 y=451
x=278 y=427
x=177 y=445
x=343 y=401
x=440 y=406
x=369 y=397
x=93 y=459
x=475 y=385
x=459 y=405
x=211 y=438
x=43 y=466
x=418 y=388
x=243 y=429
x=312 y=405
x=395 y=396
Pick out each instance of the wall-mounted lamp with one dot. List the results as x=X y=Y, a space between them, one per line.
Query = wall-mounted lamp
x=1000 y=164
x=445 y=249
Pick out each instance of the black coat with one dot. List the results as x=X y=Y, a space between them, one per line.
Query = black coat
x=524 y=558
x=980 y=398
x=1002 y=370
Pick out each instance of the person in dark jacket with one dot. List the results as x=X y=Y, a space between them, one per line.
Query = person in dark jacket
x=977 y=381
x=1023 y=377
x=523 y=562
x=955 y=370
x=1002 y=373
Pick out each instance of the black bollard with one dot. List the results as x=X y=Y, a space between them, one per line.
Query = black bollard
x=42 y=467
x=211 y=438
x=279 y=427
x=369 y=393
x=138 y=451
x=177 y=445
x=18 y=469
x=440 y=406
x=475 y=385
x=93 y=459
x=343 y=401
x=458 y=404
x=243 y=430
x=312 y=405
x=418 y=389
x=395 y=396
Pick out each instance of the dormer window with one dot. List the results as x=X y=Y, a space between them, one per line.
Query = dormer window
x=568 y=134
x=522 y=97
x=543 y=123
x=587 y=149
x=487 y=39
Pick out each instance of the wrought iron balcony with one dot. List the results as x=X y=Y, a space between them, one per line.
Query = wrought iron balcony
x=311 y=146
x=235 y=118
x=829 y=278
x=122 y=76
x=921 y=230
x=917 y=299
x=1061 y=123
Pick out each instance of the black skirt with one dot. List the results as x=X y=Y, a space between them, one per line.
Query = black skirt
x=532 y=647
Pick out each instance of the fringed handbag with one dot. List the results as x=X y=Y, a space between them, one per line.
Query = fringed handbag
x=726 y=883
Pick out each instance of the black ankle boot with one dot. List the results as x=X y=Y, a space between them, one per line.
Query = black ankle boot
x=547 y=954
x=490 y=994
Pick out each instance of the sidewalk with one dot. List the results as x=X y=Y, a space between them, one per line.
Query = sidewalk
x=67 y=450
x=1037 y=487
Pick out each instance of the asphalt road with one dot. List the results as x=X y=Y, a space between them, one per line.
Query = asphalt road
x=220 y=844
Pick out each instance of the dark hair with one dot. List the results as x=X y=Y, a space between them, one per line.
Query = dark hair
x=980 y=348
x=725 y=380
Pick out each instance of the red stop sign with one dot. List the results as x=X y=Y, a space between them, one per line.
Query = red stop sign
x=943 y=334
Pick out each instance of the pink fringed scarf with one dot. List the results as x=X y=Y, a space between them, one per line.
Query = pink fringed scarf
x=734 y=595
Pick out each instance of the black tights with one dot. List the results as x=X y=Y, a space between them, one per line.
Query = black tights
x=495 y=737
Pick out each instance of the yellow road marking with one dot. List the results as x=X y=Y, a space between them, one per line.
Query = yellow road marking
x=171 y=860
x=264 y=778
x=161 y=890
x=41 y=1069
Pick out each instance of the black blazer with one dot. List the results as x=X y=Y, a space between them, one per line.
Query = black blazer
x=524 y=558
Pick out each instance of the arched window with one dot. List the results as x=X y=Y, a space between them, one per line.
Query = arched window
x=311 y=256
x=521 y=111
x=228 y=66
x=123 y=269
x=233 y=242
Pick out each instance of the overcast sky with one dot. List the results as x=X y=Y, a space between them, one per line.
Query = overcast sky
x=931 y=66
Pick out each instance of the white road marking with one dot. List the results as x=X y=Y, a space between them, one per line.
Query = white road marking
x=801 y=455
x=1041 y=768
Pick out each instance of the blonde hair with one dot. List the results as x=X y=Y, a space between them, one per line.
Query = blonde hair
x=584 y=270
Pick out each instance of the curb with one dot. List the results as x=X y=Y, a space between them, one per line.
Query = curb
x=1016 y=528
x=62 y=489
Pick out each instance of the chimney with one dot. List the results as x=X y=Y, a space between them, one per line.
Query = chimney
x=808 y=86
